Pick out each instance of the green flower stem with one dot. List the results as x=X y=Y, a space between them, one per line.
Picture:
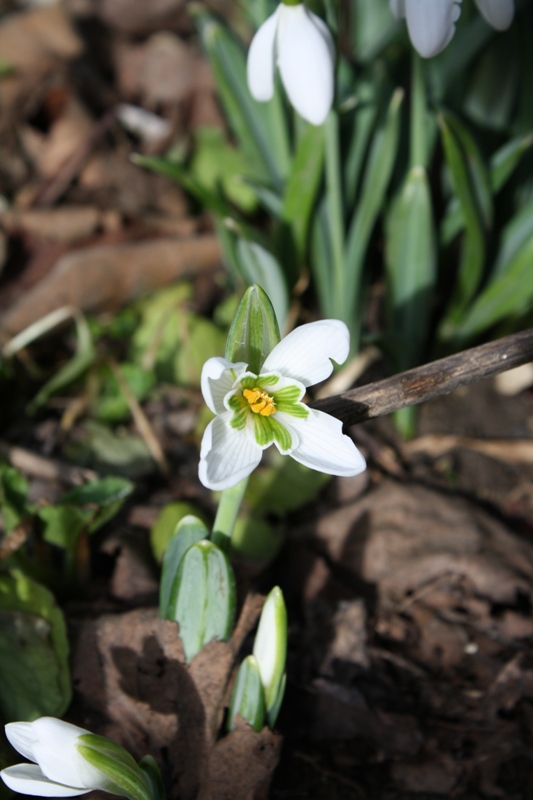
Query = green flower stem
x=418 y=149
x=228 y=508
x=335 y=215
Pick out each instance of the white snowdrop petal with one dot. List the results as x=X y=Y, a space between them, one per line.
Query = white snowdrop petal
x=305 y=63
x=498 y=13
x=227 y=456
x=398 y=8
x=28 y=779
x=57 y=756
x=262 y=59
x=306 y=352
x=324 y=447
x=217 y=380
x=22 y=736
x=431 y=24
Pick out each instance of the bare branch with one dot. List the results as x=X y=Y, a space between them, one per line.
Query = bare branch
x=431 y=380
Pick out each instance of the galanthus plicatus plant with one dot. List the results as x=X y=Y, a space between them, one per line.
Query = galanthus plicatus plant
x=68 y=761
x=301 y=45
x=256 y=394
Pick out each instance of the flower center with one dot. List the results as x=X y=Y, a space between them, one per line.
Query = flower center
x=260 y=402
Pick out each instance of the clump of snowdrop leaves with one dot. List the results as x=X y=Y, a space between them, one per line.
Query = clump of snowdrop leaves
x=301 y=45
x=70 y=761
x=258 y=402
x=431 y=23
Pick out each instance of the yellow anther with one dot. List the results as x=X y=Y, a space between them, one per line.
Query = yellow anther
x=260 y=402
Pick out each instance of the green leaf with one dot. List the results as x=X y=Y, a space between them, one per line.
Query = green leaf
x=509 y=294
x=187 y=532
x=255 y=540
x=492 y=91
x=84 y=357
x=112 y=406
x=100 y=499
x=254 y=331
x=259 y=127
x=376 y=180
x=506 y=159
x=109 y=451
x=13 y=496
x=514 y=237
x=153 y=777
x=34 y=673
x=248 y=697
x=165 y=165
x=203 y=597
x=167 y=524
x=283 y=486
x=303 y=183
x=473 y=248
x=259 y=266
x=410 y=259
x=216 y=163
x=62 y=526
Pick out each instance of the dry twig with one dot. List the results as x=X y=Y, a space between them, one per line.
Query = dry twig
x=431 y=380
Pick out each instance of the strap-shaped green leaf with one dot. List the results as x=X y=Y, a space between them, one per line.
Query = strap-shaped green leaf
x=248 y=696
x=188 y=531
x=203 y=597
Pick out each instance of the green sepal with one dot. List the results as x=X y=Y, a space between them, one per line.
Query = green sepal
x=270 y=648
x=152 y=775
x=187 y=532
x=120 y=773
x=254 y=331
x=248 y=696
x=203 y=597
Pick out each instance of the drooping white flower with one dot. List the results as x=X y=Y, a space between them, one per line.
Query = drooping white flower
x=58 y=769
x=255 y=411
x=431 y=23
x=301 y=45
x=69 y=761
x=498 y=13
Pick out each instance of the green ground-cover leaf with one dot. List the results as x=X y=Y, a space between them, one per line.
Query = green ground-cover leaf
x=34 y=674
x=13 y=496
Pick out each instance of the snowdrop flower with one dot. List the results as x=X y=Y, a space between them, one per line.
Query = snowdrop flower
x=431 y=23
x=60 y=768
x=498 y=13
x=255 y=411
x=301 y=45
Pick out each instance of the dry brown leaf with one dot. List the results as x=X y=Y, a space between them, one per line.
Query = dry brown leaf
x=130 y=16
x=399 y=538
x=67 y=224
x=110 y=275
x=32 y=40
x=130 y=674
x=241 y=765
x=511 y=451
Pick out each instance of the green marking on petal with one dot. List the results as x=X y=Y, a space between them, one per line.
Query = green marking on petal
x=268 y=430
x=267 y=380
x=289 y=394
x=263 y=430
x=297 y=410
x=282 y=436
x=240 y=409
x=249 y=382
